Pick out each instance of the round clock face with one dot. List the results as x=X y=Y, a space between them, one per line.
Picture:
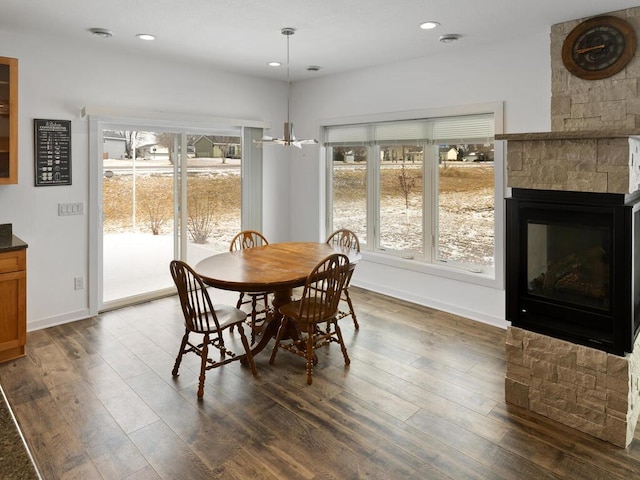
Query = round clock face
x=599 y=47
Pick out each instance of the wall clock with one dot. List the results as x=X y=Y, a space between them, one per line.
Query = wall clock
x=599 y=47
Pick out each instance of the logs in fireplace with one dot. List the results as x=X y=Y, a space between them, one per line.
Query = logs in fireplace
x=581 y=275
x=573 y=270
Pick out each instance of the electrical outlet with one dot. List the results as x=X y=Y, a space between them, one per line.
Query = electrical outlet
x=78 y=283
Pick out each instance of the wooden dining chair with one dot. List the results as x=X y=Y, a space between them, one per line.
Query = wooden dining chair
x=243 y=240
x=315 y=313
x=347 y=239
x=202 y=317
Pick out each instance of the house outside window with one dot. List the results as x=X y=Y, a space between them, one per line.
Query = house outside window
x=421 y=190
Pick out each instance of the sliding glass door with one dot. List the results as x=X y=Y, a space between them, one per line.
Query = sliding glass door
x=165 y=195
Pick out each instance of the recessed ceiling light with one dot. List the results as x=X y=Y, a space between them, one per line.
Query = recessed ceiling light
x=313 y=68
x=449 y=37
x=146 y=36
x=429 y=25
x=101 y=32
x=274 y=64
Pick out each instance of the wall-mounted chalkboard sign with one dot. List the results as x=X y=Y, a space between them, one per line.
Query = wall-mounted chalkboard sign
x=52 y=152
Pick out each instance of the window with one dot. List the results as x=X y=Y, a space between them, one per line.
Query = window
x=422 y=190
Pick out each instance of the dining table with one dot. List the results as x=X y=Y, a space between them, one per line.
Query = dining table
x=275 y=268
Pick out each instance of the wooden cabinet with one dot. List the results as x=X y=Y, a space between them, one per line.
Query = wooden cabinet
x=8 y=120
x=13 y=302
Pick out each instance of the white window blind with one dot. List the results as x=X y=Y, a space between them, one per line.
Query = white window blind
x=348 y=135
x=459 y=129
x=401 y=132
x=464 y=129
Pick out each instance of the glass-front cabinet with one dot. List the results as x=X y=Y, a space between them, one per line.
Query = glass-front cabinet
x=8 y=120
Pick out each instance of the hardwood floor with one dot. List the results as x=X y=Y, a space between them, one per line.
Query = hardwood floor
x=423 y=398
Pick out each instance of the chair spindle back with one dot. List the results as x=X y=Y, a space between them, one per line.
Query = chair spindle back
x=194 y=298
x=247 y=239
x=323 y=288
x=344 y=238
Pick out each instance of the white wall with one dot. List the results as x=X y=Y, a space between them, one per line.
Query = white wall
x=517 y=73
x=55 y=81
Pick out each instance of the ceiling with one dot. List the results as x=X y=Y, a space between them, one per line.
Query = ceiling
x=338 y=35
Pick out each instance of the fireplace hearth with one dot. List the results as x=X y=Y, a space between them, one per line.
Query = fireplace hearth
x=572 y=266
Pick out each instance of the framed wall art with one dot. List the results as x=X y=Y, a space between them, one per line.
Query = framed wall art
x=52 y=152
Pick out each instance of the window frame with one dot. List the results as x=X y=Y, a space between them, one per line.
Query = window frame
x=426 y=263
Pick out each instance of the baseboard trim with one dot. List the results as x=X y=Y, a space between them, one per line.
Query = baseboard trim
x=58 y=320
x=433 y=303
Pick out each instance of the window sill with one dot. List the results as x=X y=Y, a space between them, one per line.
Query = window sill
x=487 y=279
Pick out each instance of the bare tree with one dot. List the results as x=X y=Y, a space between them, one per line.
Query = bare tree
x=156 y=204
x=224 y=143
x=407 y=183
x=167 y=140
x=130 y=141
x=200 y=217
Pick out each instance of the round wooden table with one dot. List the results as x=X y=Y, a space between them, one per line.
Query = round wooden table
x=275 y=268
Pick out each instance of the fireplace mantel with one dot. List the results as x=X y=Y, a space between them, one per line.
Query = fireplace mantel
x=575 y=135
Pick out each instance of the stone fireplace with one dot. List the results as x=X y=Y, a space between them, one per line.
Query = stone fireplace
x=573 y=299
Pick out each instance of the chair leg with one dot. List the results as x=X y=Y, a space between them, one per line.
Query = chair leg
x=351 y=310
x=183 y=344
x=247 y=350
x=343 y=347
x=204 y=354
x=281 y=329
x=239 y=302
x=238 y=305
x=254 y=305
x=265 y=311
x=309 y=353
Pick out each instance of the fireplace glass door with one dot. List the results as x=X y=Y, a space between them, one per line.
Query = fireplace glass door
x=567 y=268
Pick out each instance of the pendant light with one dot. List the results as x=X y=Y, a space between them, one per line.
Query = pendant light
x=289 y=138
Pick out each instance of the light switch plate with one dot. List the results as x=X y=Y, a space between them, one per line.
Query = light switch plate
x=70 y=209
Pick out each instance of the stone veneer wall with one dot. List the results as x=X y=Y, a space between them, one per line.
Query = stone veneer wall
x=590 y=390
x=610 y=103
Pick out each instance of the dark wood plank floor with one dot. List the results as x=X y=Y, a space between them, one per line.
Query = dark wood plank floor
x=422 y=399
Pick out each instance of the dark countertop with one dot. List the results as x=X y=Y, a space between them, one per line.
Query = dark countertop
x=8 y=244
x=16 y=462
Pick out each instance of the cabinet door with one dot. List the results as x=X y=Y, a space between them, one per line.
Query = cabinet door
x=13 y=331
x=8 y=120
